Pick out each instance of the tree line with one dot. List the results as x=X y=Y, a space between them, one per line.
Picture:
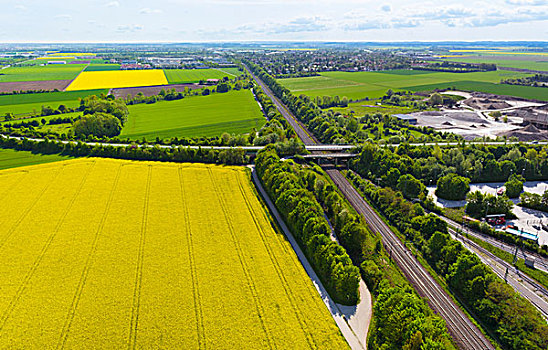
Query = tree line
x=326 y=125
x=479 y=163
x=233 y=156
x=304 y=195
x=304 y=216
x=535 y=201
x=537 y=80
x=516 y=323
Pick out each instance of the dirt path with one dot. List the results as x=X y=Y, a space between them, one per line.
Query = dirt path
x=353 y=321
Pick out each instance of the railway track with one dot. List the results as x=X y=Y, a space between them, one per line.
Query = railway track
x=528 y=288
x=465 y=334
x=541 y=262
x=300 y=129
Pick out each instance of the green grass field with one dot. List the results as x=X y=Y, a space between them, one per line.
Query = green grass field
x=40 y=73
x=536 y=63
x=47 y=117
x=181 y=76
x=359 y=85
x=25 y=104
x=10 y=158
x=232 y=112
x=360 y=108
x=499 y=89
x=101 y=67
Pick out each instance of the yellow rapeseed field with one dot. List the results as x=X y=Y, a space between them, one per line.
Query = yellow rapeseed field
x=112 y=254
x=117 y=79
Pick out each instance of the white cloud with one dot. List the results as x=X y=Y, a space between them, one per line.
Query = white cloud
x=20 y=7
x=147 y=11
x=64 y=17
x=386 y=8
x=527 y=2
x=113 y=4
x=129 y=28
x=450 y=16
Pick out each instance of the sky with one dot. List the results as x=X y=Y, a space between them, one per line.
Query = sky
x=271 y=20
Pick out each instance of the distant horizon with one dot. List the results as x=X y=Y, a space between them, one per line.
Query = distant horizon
x=464 y=42
x=115 y=21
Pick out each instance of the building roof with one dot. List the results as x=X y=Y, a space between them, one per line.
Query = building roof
x=404 y=116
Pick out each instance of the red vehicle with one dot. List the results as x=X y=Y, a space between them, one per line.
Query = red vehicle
x=497 y=219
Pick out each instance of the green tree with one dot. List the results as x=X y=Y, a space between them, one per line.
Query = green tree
x=435 y=99
x=411 y=187
x=514 y=186
x=452 y=187
x=98 y=124
x=223 y=87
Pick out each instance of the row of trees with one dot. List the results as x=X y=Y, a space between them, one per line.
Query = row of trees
x=479 y=205
x=234 y=156
x=516 y=323
x=535 y=201
x=479 y=163
x=326 y=125
x=393 y=326
x=44 y=111
x=538 y=80
x=458 y=67
x=25 y=92
x=304 y=216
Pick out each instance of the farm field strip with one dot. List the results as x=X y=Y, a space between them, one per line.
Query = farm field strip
x=39 y=73
x=234 y=111
x=34 y=85
x=181 y=76
x=11 y=158
x=149 y=244
x=47 y=97
x=541 y=64
x=225 y=72
x=117 y=79
x=375 y=84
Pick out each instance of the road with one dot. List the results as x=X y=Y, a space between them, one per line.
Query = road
x=313 y=147
x=523 y=284
x=541 y=262
x=353 y=321
x=464 y=332
x=307 y=138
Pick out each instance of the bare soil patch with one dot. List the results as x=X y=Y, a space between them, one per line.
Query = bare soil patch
x=152 y=90
x=48 y=85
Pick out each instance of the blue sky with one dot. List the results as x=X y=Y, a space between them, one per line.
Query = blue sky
x=248 y=20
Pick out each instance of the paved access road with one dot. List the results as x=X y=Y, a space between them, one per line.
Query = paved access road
x=307 y=138
x=541 y=262
x=353 y=321
x=523 y=284
x=464 y=332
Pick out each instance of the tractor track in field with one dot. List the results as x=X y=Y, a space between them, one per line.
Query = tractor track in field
x=83 y=278
x=29 y=208
x=134 y=323
x=39 y=258
x=277 y=268
x=200 y=329
x=245 y=268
